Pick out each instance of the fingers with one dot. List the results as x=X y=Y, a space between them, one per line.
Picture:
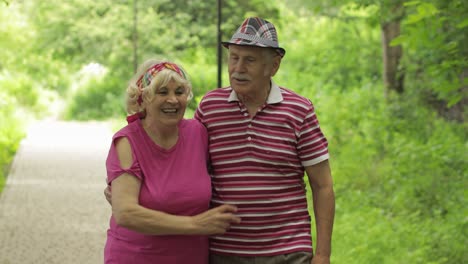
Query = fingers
x=235 y=219
x=228 y=208
x=226 y=212
x=216 y=220
x=108 y=194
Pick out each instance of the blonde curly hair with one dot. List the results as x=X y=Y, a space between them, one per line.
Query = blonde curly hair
x=148 y=92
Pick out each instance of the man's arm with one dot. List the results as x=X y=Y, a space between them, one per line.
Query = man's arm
x=323 y=197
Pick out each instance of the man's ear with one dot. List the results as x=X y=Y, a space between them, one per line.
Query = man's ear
x=275 y=65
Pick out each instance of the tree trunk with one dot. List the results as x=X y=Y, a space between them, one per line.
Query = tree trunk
x=393 y=76
x=456 y=112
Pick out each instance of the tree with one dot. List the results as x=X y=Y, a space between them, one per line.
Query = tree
x=393 y=74
x=433 y=35
x=387 y=14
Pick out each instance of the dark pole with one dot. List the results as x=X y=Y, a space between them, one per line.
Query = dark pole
x=135 y=37
x=219 y=46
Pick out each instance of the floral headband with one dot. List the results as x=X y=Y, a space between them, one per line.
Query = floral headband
x=148 y=76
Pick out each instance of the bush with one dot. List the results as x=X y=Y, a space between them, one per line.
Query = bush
x=398 y=170
x=98 y=98
x=11 y=133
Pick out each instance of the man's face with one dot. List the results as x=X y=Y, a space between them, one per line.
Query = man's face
x=249 y=71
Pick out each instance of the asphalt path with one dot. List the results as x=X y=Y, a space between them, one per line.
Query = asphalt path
x=52 y=209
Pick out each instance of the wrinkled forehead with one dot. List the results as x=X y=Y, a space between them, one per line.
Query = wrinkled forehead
x=245 y=50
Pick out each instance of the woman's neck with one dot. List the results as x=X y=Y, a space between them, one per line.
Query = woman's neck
x=163 y=136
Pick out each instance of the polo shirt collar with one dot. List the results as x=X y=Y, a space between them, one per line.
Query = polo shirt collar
x=273 y=98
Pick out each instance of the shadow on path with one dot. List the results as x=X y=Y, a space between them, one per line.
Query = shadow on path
x=52 y=209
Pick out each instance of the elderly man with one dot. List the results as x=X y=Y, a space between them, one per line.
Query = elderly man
x=262 y=138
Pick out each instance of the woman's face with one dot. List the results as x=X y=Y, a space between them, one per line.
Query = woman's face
x=169 y=104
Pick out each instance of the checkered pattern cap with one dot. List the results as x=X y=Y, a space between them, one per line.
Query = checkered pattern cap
x=255 y=31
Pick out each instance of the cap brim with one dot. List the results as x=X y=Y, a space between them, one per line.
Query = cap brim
x=280 y=50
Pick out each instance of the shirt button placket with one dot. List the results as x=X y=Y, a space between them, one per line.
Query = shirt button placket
x=249 y=128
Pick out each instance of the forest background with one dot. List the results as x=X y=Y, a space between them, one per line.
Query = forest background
x=387 y=78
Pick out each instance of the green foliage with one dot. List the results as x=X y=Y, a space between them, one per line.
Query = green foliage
x=202 y=72
x=97 y=98
x=89 y=29
x=197 y=20
x=325 y=54
x=104 y=32
x=434 y=36
x=11 y=132
x=399 y=174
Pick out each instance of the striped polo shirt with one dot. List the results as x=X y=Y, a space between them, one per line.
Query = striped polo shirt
x=258 y=165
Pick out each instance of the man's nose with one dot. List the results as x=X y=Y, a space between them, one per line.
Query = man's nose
x=240 y=66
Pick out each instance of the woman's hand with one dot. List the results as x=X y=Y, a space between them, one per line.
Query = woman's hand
x=215 y=221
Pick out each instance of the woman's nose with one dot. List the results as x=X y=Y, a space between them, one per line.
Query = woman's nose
x=172 y=98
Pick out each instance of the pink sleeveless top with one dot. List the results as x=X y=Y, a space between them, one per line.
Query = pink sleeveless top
x=174 y=181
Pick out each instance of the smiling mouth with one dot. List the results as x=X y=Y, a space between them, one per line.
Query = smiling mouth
x=170 y=111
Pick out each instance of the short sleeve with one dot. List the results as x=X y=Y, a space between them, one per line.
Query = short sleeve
x=113 y=167
x=204 y=138
x=199 y=113
x=312 y=144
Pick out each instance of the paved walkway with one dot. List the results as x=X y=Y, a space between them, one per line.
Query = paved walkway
x=52 y=209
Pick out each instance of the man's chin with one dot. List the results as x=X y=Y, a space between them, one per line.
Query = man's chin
x=238 y=87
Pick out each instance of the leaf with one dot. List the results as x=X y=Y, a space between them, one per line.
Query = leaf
x=411 y=3
x=455 y=99
x=463 y=24
x=465 y=81
x=427 y=10
x=412 y=19
x=424 y=10
x=398 y=40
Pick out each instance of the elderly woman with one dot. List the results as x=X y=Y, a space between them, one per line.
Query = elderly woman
x=157 y=168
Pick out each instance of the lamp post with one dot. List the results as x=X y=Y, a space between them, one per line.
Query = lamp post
x=219 y=52
x=135 y=36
